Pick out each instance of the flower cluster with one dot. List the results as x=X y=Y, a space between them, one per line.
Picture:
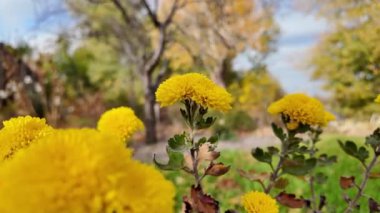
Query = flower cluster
x=82 y=170
x=377 y=100
x=120 y=121
x=301 y=109
x=195 y=87
x=259 y=202
x=19 y=133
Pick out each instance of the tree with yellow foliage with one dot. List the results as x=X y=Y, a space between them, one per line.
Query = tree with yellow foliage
x=211 y=34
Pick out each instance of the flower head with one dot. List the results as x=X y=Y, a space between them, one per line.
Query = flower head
x=195 y=87
x=377 y=100
x=120 y=121
x=82 y=171
x=259 y=202
x=302 y=109
x=19 y=132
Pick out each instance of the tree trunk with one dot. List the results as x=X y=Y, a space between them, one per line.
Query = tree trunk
x=219 y=72
x=149 y=111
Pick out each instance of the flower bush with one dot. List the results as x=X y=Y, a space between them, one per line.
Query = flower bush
x=91 y=170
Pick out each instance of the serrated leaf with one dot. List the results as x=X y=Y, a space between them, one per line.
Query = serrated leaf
x=200 y=202
x=351 y=149
x=175 y=162
x=374 y=139
x=213 y=139
x=178 y=142
x=261 y=156
x=202 y=141
x=205 y=123
x=205 y=154
x=273 y=150
x=278 y=131
x=299 y=167
x=363 y=154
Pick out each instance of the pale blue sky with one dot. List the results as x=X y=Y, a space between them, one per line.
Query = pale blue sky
x=299 y=33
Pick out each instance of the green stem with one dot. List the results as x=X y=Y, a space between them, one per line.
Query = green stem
x=194 y=150
x=311 y=179
x=276 y=172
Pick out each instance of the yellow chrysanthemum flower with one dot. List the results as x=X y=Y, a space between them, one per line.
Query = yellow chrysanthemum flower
x=303 y=109
x=196 y=87
x=19 y=132
x=377 y=100
x=82 y=171
x=259 y=202
x=120 y=121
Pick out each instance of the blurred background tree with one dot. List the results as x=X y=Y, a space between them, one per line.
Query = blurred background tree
x=210 y=34
x=118 y=51
x=347 y=58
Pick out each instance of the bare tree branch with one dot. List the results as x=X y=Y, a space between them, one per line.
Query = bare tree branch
x=122 y=10
x=173 y=9
x=152 y=15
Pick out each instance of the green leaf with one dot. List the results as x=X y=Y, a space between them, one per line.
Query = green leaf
x=363 y=154
x=184 y=114
x=202 y=141
x=374 y=139
x=273 y=150
x=176 y=160
x=262 y=156
x=321 y=178
x=205 y=123
x=351 y=149
x=325 y=160
x=299 y=166
x=178 y=142
x=278 y=132
x=213 y=139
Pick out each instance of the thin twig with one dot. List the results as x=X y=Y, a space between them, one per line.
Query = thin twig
x=352 y=204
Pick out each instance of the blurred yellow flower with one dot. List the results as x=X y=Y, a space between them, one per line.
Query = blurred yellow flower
x=259 y=202
x=19 y=132
x=121 y=122
x=196 y=87
x=303 y=109
x=82 y=171
x=377 y=100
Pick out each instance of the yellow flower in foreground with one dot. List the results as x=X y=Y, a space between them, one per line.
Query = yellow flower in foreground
x=19 y=132
x=196 y=87
x=303 y=109
x=377 y=100
x=121 y=122
x=259 y=202
x=82 y=171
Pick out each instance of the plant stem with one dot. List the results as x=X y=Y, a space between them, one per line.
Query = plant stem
x=311 y=179
x=274 y=175
x=312 y=192
x=193 y=150
x=352 y=204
